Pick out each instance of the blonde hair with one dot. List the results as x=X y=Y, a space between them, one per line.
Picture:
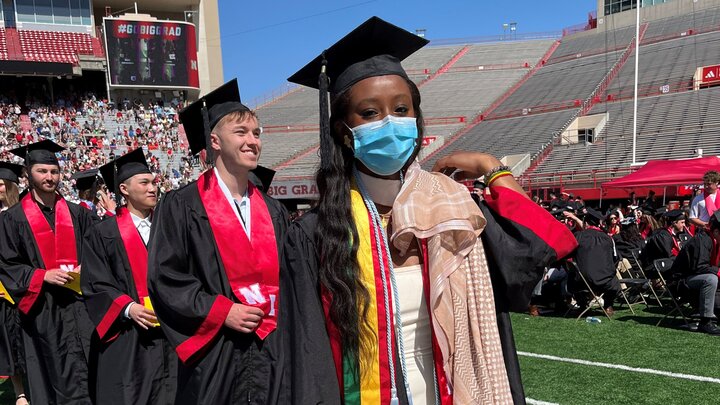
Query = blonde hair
x=12 y=193
x=235 y=116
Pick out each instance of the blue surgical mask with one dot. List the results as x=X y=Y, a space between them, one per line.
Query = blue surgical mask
x=385 y=146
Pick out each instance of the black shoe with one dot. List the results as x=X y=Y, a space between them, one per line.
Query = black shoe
x=710 y=328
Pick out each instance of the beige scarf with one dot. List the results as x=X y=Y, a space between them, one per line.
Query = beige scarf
x=434 y=207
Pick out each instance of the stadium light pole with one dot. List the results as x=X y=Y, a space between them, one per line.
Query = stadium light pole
x=635 y=95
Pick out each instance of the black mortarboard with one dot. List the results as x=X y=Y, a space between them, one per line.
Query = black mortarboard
x=42 y=152
x=261 y=177
x=660 y=211
x=10 y=171
x=123 y=168
x=594 y=215
x=200 y=117
x=627 y=221
x=375 y=48
x=85 y=180
x=647 y=210
x=674 y=215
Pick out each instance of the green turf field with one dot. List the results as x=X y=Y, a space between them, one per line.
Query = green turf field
x=629 y=340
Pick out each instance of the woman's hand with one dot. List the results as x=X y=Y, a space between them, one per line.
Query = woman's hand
x=470 y=165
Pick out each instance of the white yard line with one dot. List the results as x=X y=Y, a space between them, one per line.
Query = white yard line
x=536 y=402
x=622 y=367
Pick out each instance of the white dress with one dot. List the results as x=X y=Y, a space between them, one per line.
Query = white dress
x=417 y=334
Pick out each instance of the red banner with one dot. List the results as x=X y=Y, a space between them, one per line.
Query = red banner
x=710 y=74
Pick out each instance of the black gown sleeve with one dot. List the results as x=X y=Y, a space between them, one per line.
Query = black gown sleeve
x=310 y=368
x=105 y=298
x=520 y=239
x=23 y=281
x=189 y=316
x=694 y=258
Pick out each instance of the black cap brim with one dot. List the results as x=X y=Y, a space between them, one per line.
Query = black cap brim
x=124 y=167
x=375 y=48
x=218 y=103
x=10 y=171
x=42 y=152
x=85 y=180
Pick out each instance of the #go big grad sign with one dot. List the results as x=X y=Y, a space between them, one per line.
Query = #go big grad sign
x=151 y=54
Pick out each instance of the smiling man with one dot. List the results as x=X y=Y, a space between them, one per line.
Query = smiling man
x=213 y=264
x=133 y=352
x=40 y=247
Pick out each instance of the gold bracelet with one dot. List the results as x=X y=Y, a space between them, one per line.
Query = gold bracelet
x=499 y=175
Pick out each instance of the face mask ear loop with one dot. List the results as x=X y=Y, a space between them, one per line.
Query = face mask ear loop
x=346 y=139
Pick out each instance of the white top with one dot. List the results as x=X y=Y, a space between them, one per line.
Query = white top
x=240 y=208
x=698 y=209
x=143 y=226
x=417 y=333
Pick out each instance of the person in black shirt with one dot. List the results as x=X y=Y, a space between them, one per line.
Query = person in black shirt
x=698 y=263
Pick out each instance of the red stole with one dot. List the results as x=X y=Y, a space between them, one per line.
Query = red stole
x=136 y=251
x=251 y=266
x=595 y=228
x=676 y=245
x=710 y=205
x=56 y=248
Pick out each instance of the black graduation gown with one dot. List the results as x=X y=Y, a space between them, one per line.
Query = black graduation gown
x=302 y=320
x=694 y=257
x=134 y=366
x=595 y=256
x=56 y=333
x=12 y=360
x=185 y=274
x=659 y=246
x=624 y=248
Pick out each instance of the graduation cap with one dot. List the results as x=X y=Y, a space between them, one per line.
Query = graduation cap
x=593 y=215
x=10 y=171
x=660 y=211
x=375 y=48
x=627 y=221
x=85 y=180
x=674 y=215
x=123 y=168
x=647 y=210
x=200 y=117
x=42 y=152
x=261 y=177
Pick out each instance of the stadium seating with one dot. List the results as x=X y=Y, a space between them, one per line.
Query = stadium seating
x=55 y=46
x=299 y=106
x=3 y=45
x=508 y=136
x=668 y=62
x=670 y=126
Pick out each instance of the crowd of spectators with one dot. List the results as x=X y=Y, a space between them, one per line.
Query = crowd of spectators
x=94 y=131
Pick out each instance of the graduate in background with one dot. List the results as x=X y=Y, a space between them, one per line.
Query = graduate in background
x=385 y=284
x=665 y=243
x=597 y=259
x=12 y=359
x=86 y=185
x=213 y=263
x=91 y=195
x=132 y=351
x=40 y=247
